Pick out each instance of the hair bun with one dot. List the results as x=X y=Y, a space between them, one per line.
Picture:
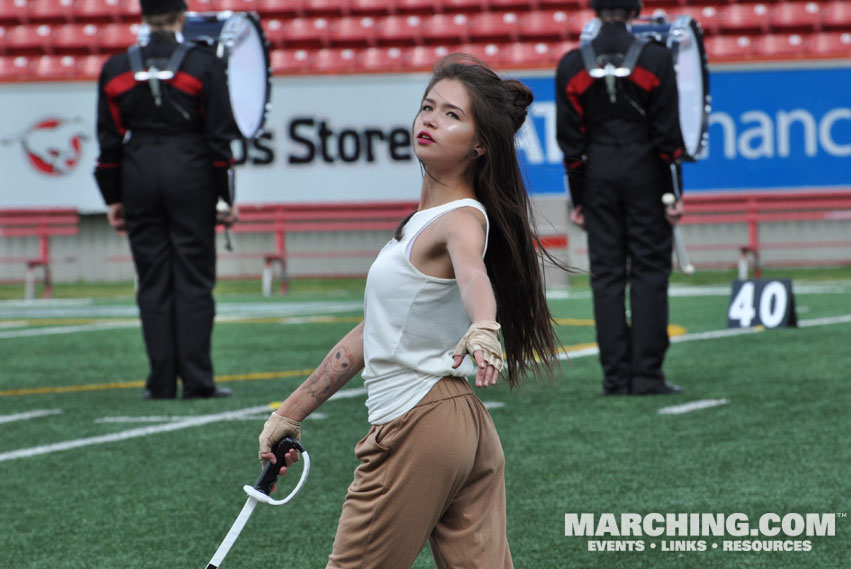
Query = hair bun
x=520 y=97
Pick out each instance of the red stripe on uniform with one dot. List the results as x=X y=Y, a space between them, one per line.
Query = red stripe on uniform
x=186 y=83
x=644 y=79
x=575 y=165
x=578 y=84
x=116 y=86
x=105 y=165
x=119 y=84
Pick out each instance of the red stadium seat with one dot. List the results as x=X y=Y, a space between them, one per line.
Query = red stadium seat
x=729 y=47
x=578 y=20
x=564 y=4
x=423 y=57
x=75 y=37
x=272 y=8
x=352 y=31
x=28 y=38
x=830 y=44
x=382 y=59
x=52 y=10
x=101 y=10
x=372 y=7
x=561 y=48
x=544 y=25
x=306 y=32
x=237 y=5
x=130 y=10
x=56 y=67
x=743 y=18
x=836 y=15
x=405 y=29
x=289 y=60
x=89 y=66
x=325 y=7
x=530 y=54
x=199 y=5
x=117 y=36
x=779 y=46
x=419 y=6
x=446 y=28
x=518 y=5
x=488 y=53
x=465 y=5
x=333 y=60
x=274 y=30
x=16 y=68
x=795 y=16
x=14 y=11
x=493 y=26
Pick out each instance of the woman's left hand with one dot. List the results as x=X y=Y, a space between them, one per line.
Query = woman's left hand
x=486 y=374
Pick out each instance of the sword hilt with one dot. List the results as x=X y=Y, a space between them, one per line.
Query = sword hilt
x=270 y=472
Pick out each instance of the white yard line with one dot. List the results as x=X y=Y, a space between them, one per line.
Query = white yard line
x=29 y=415
x=692 y=406
x=130 y=434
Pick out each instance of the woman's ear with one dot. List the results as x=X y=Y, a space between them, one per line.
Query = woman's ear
x=479 y=150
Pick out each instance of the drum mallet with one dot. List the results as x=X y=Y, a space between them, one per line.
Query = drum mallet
x=682 y=257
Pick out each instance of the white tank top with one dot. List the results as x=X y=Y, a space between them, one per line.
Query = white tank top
x=412 y=323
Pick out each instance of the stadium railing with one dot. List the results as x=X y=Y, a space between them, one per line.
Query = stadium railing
x=282 y=220
x=753 y=209
x=41 y=224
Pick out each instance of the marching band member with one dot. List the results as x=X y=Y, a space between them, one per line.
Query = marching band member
x=618 y=127
x=164 y=127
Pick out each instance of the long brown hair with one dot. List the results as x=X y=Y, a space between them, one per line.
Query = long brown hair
x=514 y=266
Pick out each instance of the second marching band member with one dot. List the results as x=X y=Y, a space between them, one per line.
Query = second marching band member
x=618 y=127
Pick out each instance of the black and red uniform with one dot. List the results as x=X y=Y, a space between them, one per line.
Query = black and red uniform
x=617 y=156
x=168 y=165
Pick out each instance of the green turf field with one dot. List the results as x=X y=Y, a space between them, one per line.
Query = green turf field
x=156 y=484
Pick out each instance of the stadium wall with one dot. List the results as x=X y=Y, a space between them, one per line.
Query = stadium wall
x=774 y=127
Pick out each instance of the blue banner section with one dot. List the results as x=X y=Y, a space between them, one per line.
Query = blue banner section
x=769 y=130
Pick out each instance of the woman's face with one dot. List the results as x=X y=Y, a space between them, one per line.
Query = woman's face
x=444 y=130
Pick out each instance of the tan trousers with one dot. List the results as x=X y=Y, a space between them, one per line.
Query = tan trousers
x=436 y=474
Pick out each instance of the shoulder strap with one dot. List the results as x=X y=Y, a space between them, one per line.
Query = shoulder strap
x=153 y=75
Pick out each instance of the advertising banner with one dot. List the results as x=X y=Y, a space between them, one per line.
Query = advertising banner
x=348 y=138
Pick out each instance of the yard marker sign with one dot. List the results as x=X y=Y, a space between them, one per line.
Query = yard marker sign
x=762 y=302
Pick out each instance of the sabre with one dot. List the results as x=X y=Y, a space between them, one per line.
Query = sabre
x=260 y=493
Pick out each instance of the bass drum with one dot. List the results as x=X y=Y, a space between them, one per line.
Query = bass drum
x=684 y=37
x=239 y=41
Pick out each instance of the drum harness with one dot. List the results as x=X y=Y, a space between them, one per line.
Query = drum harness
x=611 y=67
x=159 y=69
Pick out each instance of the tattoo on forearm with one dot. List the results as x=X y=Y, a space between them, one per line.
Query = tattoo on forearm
x=335 y=370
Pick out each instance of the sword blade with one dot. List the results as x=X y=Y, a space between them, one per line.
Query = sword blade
x=234 y=532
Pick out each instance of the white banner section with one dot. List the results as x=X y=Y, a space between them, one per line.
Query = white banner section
x=327 y=139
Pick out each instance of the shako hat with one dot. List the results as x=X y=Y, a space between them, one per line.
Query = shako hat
x=151 y=7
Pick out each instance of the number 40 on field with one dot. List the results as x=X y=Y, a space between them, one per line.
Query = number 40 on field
x=758 y=302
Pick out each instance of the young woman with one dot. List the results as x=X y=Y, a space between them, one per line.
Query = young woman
x=432 y=463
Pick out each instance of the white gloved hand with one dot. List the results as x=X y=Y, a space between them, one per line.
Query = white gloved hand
x=482 y=335
x=275 y=429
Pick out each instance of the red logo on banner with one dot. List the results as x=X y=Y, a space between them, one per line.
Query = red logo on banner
x=53 y=145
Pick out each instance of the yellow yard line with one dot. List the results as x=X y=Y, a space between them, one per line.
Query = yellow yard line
x=138 y=384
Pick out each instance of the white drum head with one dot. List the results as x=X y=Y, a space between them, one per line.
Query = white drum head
x=247 y=74
x=692 y=91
